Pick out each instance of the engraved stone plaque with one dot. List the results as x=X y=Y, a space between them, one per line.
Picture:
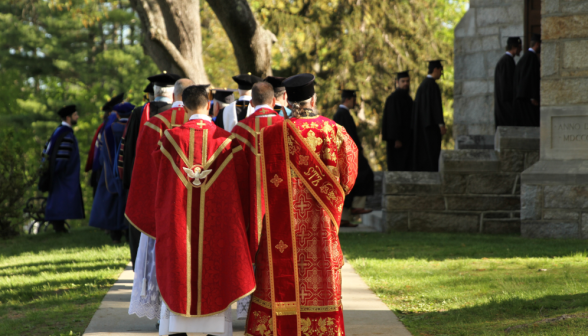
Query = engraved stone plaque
x=569 y=132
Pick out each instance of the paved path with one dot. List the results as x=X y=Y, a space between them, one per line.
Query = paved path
x=364 y=313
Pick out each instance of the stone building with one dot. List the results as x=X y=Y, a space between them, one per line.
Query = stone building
x=514 y=179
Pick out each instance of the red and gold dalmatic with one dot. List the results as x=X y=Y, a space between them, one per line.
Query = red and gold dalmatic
x=309 y=165
x=203 y=263
x=247 y=132
x=141 y=200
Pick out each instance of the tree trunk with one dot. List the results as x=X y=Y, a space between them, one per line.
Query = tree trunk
x=172 y=36
x=251 y=42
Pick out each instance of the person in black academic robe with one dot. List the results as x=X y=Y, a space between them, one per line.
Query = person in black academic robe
x=527 y=85
x=364 y=184
x=428 y=124
x=229 y=116
x=504 y=84
x=396 y=125
x=159 y=104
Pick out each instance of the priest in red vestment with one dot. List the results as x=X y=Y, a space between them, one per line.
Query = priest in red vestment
x=309 y=164
x=203 y=263
x=247 y=133
x=141 y=198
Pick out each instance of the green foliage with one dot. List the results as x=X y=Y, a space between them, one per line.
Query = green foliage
x=16 y=177
x=361 y=45
x=52 y=284
x=67 y=52
x=463 y=284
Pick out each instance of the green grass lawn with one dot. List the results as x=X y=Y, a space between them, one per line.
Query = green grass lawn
x=459 y=284
x=52 y=284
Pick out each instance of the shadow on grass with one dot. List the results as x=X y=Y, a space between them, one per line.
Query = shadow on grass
x=500 y=315
x=443 y=246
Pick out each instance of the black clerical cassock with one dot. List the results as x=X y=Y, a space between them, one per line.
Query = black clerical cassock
x=396 y=126
x=364 y=184
x=504 y=91
x=527 y=82
x=427 y=118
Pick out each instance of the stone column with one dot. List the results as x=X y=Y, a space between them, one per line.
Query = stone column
x=554 y=194
x=480 y=41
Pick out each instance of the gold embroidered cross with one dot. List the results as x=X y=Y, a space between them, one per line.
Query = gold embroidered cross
x=276 y=180
x=201 y=123
x=303 y=160
x=281 y=246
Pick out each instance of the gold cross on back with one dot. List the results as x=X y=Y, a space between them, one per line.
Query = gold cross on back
x=201 y=123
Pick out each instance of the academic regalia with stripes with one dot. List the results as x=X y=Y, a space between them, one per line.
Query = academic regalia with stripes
x=65 y=195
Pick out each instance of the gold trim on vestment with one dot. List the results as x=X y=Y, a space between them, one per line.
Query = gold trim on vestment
x=189 y=231
x=221 y=168
x=177 y=148
x=153 y=127
x=246 y=127
x=303 y=309
x=165 y=121
x=255 y=150
x=201 y=219
x=186 y=117
x=185 y=182
x=138 y=228
x=292 y=227
x=217 y=152
x=286 y=308
x=173 y=117
x=242 y=139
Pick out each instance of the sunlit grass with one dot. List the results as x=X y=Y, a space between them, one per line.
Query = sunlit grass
x=52 y=284
x=455 y=284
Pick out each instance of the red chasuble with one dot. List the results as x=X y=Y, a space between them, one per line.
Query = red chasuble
x=203 y=262
x=309 y=165
x=141 y=199
x=247 y=133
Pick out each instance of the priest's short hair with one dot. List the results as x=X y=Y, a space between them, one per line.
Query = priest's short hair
x=195 y=97
x=262 y=93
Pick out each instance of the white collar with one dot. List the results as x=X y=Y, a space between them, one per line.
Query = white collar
x=429 y=76
x=63 y=123
x=178 y=103
x=509 y=54
x=532 y=50
x=200 y=116
x=245 y=98
x=163 y=99
x=258 y=107
x=343 y=106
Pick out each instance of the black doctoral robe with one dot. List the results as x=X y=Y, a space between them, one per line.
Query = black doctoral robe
x=504 y=92
x=427 y=117
x=396 y=126
x=240 y=108
x=130 y=147
x=364 y=184
x=527 y=85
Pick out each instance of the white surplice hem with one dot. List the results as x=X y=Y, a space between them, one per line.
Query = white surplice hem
x=220 y=324
x=145 y=282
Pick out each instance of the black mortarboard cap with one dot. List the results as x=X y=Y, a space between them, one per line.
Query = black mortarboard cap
x=276 y=82
x=246 y=82
x=513 y=40
x=402 y=74
x=434 y=64
x=149 y=88
x=348 y=93
x=536 y=37
x=224 y=96
x=113 y=101
x=164 y=79
x=299 y=87
x=66 y=111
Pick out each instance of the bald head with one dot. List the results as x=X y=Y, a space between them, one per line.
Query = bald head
x=262 y=93
x=180 y=86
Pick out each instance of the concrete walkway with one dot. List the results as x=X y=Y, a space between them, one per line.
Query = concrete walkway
x=364 y=313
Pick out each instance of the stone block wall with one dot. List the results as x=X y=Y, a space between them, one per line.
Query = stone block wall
x=480 y=41
x=554 y=195
x=475 y=190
